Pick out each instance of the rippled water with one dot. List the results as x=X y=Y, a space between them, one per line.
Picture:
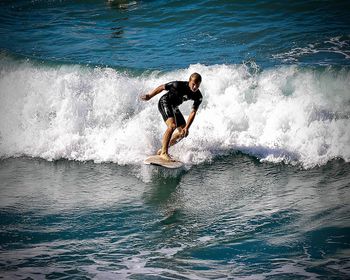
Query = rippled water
x=174 y=34
x=233 y=218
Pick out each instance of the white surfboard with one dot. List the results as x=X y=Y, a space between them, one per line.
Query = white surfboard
x=157 y=160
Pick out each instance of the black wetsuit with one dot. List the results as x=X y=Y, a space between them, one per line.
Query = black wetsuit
x=178 y=92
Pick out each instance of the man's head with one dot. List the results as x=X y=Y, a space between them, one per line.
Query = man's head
x=195 y=81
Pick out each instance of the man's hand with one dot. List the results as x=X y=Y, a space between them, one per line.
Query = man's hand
x=145 y=97
x=184 y=132
x=154 y=92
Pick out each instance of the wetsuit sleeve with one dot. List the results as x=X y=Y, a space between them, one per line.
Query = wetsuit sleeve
x=170 y=85
x=197 y=102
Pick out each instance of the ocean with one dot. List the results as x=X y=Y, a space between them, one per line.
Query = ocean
x=265 y=189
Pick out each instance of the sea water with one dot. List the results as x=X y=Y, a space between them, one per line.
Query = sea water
x=265 y=189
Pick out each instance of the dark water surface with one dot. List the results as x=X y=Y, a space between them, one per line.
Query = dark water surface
x=174 y=34
x=235 y=218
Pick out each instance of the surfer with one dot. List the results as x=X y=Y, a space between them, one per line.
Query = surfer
x=177 y=93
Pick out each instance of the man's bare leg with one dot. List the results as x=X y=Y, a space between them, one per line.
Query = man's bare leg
x=166 y=139
x=175 y=138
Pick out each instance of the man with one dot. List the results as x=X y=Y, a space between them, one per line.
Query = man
x=178 y=92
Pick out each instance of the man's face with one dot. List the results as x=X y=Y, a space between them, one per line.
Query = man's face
x=194 y=86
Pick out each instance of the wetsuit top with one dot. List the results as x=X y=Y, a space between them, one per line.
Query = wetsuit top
x=179 y=92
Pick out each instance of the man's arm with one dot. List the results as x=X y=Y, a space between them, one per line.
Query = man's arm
x=190 y=119
x=153 y=93
x=189 y=123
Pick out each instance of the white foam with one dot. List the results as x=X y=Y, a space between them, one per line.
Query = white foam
x=78 y=113
x=335 y=45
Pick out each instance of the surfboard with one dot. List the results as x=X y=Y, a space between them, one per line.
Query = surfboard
x=157 y=160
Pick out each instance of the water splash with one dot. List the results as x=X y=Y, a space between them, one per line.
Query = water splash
x=286 y=114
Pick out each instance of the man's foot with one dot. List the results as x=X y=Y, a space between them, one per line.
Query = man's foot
x=159 y=152
x=166 y=157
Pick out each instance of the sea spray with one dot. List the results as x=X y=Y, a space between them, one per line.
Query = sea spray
x=283 y=114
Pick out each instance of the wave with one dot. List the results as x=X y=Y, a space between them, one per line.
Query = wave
x=334 y=46
x=285 y=114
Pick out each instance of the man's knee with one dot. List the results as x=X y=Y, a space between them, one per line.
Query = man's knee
x=172 y=127
x=171 y=124
x=179 y=130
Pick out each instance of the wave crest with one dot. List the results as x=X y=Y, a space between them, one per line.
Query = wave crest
x=286 y=114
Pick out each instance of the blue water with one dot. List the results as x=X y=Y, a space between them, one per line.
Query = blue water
x=166 y=35
x=264 y=193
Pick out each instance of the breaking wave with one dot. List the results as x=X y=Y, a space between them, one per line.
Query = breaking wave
x=284 y=114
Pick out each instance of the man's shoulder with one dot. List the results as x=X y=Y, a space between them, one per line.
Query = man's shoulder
x=174 y=84
x=181 y=84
